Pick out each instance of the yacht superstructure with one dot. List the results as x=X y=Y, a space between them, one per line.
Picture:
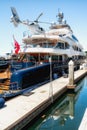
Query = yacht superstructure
x=59 y=43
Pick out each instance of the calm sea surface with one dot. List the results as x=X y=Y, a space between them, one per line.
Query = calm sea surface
x=66 y=113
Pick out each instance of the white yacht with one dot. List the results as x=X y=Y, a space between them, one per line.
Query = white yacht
x=59 y=42
x=56 y=46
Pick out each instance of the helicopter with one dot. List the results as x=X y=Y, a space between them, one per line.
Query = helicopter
x=33 y=26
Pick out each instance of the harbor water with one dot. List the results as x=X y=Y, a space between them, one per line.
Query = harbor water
x=66 y=113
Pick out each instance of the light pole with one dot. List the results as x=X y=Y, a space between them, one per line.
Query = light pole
x=51 y=87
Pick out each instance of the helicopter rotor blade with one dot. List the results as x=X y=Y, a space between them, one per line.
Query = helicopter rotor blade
x=44 y=22
x=38 y=17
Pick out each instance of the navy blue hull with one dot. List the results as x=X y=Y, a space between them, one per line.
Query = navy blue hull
x=30 y=76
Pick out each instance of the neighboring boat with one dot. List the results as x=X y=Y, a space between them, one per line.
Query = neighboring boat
x=2 y=102
x=3 y=67
x=4 y=72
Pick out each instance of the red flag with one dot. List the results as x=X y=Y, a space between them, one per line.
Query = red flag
x=17 y=46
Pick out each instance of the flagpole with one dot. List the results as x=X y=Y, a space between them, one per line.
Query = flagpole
x=16 y=45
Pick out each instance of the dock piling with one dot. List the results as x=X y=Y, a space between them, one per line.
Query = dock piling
x=71 y=75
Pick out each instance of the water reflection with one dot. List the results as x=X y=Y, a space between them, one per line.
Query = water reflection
x=61 y=113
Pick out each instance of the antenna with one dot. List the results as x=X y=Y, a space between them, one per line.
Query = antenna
x=60 y=16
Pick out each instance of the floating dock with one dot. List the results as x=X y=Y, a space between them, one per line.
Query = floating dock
x=19 y=111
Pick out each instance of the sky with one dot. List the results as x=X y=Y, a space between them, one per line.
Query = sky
x=75 y=13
